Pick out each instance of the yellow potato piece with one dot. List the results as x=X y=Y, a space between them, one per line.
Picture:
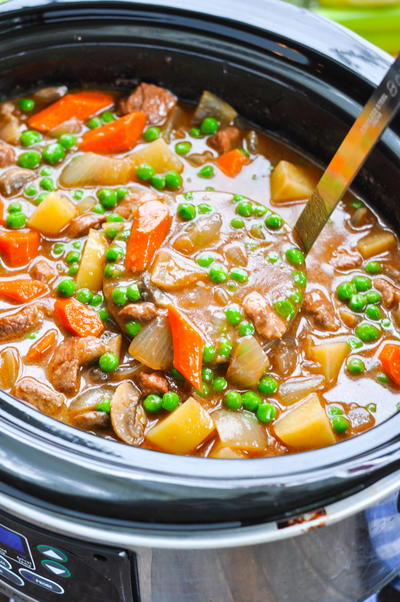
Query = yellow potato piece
x=289 y=182
x=90 y=273
x=331 y=357
x=306 y=426
x=53 y=214
x=159 y=156
x=225 y=453
x=376 y=242
x=184 y=429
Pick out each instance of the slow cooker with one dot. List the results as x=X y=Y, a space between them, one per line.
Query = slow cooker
x=91 y=520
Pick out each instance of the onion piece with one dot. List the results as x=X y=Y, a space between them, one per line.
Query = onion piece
x=199 y=234
x=89 y=169
x=298 y=387
x=211 y=105
x=240 y=430
x=10 y=362
x=153 y=345
x=173 y=272
x=248 y=363
x=90 y=399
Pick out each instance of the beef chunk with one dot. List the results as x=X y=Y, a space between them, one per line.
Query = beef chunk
x=153 y=382
x=39 y=395
x=43 y=271
x=7 y=155
x=139 y=311
x=345 y=259
x=267 y=323
x=14 y=326
x=69 y=356
x=390 y=294
x=81 y=225
x=226 y=139
x=320 y=308
x=152 y=100
x=12 y=180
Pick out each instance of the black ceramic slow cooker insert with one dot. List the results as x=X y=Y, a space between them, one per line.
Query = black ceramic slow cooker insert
x=297 y=77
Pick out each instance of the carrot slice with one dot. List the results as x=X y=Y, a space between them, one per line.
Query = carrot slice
x=116 y=137
x=81 y=106
x=21 y=291
x=42 y=347
x=149 y=228
x=231 y=163
x=19 y=247
x=78 y=318
x=390 y=359
x=188 y=347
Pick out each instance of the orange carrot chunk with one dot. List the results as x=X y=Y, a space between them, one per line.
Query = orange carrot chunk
x=42 y=347
x=19 y=247
x=390 y=359
x=116 y=137
x=21 y=291
x=149 y=228
x=80 y=106
x=78 y=318
x=188 y=347
x=231 y=163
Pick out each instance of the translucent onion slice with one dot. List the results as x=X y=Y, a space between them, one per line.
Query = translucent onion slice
x=294 y=389
x=10 y=362
x=89 y=169
x=199 y=234
x=211 y=105
x=248 y=363
x=153 y=345
x=90 y=399
x=240 y=430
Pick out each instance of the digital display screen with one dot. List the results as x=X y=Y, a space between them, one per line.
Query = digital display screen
x=12 y=540
x=15 y=546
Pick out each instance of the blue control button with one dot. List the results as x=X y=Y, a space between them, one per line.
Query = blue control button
x=52 y=553
x=51 y=586
x=4 y=563
x=56 y=568
x=10 y=576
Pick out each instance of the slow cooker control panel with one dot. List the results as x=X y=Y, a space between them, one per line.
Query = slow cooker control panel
x=38 y=566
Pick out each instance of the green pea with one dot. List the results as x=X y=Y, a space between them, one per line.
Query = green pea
x=244 y=208
x=259 y=210
x=124 y=235
x=104 y=315
x=233 y=314
x=194 y=133
x=237 y=223
x=373 y=312
x=73 y=256
x=273 y=257
x=58 y=248
x=151 y=134
x=284 y=308
x=173 y=180
x=97 y=300
x=158 y=181
x=30 y=137
x=182 y=148
x=382 y=378
x=114 y=217
x=119 y=296
x=274 y=221
x=145 y=172
x=188 y=196
x=47 y=184
x=107 y=197
x=66 y=288
x=246 y=328
x=205 y=390
x=121 y=193
x=26 y=104
x=357 y=302
x=355 y=365
x=224 y=348
x=31 y=191
x=73 y=269
x=386 y=323
x=207 y=374
x=373 y=267
x=133 y=327
x=268 y=385
x=99 y=209
x=209 y=126
x=362 y=283
x=108 y=362
x=46 y=171
x=367 y=332
x=295 y=256
x=334 y=410
x=371 y=407
x=218 y=274
x=219 y=384
x=207 y=171
x=15 y=221
x=296 y=297
x=133 y=293
x=14 y=208
x=77 y=244
x=357 y=204
x=237 y=198
x=41 y=197
x=345 y=291
x=205 y=260
x=209 y=354
x=94 y=122
x=104 y=406
x=152 y=403
x=340 y=424
x=170 y=401
x=186 y=211
x=266 y=412
x=53 y=153
x=204 y=208
x=233 y=400
x=239 y=274
x=67 y=140
x=84 y=295
x=29 y=159
x=112 y=271
x=373 y=297
x=114 y=254
x=251 y=401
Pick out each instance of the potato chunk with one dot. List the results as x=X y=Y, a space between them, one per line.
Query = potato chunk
x=377 y=241
x=225 y=452
x=289 y=182
x=331 y=357
x=306 y=426
x=159 y=156
x=183 y=430
x=90 y=273
x=53 y=214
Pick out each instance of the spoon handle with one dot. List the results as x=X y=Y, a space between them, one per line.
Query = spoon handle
x=350 y=157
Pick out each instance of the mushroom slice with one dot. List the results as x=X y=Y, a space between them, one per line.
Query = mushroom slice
x=128 y=417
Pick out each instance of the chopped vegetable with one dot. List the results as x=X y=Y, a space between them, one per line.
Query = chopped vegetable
x=331 y=357
x=173 y=272
x=118 y=136
x=78 y=318
x=199 y=234
x=390 y=359
x=296 y=388
x=240 y=431
x=90 y=273
x=248 y=363
x=53 y=214
x=18 y=248
x=42 y=347
x=159 y=156
x=188 y=346
x=232 y=162
x=149 y=229
x=89 y=169
x=376 y=242
x=152 y=346
x=211 y=105
x=289 y=182
x=21 y=291
x=10 y=362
